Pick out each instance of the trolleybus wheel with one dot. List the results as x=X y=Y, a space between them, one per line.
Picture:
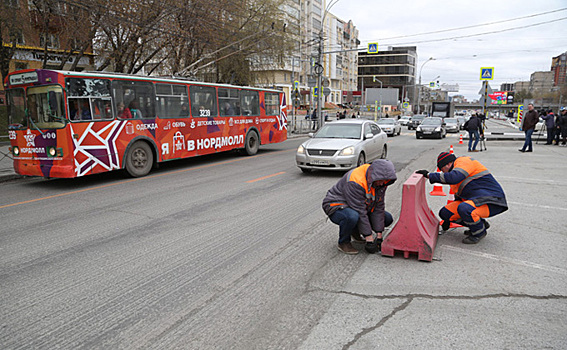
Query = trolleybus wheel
x=252 y=143
x=139 y=160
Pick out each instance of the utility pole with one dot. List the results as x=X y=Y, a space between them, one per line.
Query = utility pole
x=319 y=72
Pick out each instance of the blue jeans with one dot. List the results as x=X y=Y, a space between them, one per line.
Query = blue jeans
x=528 y=142
x=476 y=138
x=347 y=219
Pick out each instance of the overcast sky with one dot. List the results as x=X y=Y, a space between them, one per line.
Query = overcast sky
x=528 y=35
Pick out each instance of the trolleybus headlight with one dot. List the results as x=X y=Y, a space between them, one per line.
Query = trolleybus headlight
x=16 y=151
x=51 y=151
x=54 y=152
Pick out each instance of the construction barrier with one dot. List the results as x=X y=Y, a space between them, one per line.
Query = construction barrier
x=417 y=228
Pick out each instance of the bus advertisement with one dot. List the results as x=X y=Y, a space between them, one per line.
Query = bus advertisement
x=70 y=124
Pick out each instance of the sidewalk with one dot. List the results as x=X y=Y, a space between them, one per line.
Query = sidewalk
x=6 y=164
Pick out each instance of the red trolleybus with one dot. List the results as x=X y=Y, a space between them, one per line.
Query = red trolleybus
x=69 y=124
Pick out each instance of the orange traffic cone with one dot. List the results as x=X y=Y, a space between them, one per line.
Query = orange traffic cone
x=437 y=189
x=451 y=149
x=461 y=140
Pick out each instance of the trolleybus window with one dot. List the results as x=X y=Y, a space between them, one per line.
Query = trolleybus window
x=203 y=101
x=16 y=109
x=134 y=99
x=250 y=102
x=89 y=99
x=172 y=101
x=229 y=102
x=45 y=107
x=272 y=103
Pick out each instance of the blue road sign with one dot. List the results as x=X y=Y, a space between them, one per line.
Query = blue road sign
x=486 y=73
x=372 y=48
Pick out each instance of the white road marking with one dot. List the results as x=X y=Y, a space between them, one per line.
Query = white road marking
x=537 y=206
x=507 y=260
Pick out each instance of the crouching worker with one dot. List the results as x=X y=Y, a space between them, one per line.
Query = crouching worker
x=477 y=194
x=356 y=204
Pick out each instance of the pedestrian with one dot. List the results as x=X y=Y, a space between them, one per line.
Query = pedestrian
x=356 y=204
x=529 y=122
x=472 y=126
x=477 y=194
x=549 y=118
x=562 y=121
x=314 y=119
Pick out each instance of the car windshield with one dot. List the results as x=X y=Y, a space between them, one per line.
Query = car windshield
x=418 y=118
x=339 y=131
x=386 y=122
x=451 y=120
x=431 y=121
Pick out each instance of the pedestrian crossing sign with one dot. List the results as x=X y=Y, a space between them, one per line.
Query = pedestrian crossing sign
x=486 y=73
x=372 y=48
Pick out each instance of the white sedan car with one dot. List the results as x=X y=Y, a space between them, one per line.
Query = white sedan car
x=342 y=145
x=405 y=120
x=390 y=126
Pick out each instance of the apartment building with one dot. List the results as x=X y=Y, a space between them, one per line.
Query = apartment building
x=559 y=69
x=307 y=24
x=340 y=61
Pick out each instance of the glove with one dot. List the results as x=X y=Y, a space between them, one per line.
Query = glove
x=374 y=246
x=425 y=173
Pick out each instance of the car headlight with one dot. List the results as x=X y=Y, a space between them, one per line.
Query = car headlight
x=349 y=151
x=438 y=128
x=300 y=149
x=419 y=128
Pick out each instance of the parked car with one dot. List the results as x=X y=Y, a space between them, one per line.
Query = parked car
x=405 y=120
x=342 y=145
x=415 y=121
x=390 y=126
x=431 y=127
x=462 y=122
x=452 y=124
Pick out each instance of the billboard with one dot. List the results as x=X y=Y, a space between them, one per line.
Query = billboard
x=502 y=98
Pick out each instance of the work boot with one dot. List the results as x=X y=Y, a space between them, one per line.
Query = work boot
x=445 y=225
x=347 y=248
x=486 y=227
x=474 y=239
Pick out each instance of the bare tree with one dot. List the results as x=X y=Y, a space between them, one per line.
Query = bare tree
x=12 y=29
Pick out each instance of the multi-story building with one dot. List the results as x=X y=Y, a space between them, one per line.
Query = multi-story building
x=506 y=87
x=541 y=81
x=340 y=63
x=43 y=38
x=522 y=86
x=559 y=69
x=394 y=67
x=306 y=30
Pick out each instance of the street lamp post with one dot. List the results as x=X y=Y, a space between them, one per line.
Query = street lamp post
x=380 y=97
x=419 y=95
x=320 y=64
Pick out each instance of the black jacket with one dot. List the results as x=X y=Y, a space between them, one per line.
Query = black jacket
x=473 y=123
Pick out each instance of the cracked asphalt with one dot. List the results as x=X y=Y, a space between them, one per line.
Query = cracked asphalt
x=507 y=292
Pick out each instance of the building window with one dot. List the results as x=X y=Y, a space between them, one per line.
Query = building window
x=52 y=41
x=17 y=36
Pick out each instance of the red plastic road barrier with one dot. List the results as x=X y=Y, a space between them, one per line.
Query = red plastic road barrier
x=417 y=229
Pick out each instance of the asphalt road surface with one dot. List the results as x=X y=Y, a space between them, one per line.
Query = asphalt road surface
x=216 y=252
